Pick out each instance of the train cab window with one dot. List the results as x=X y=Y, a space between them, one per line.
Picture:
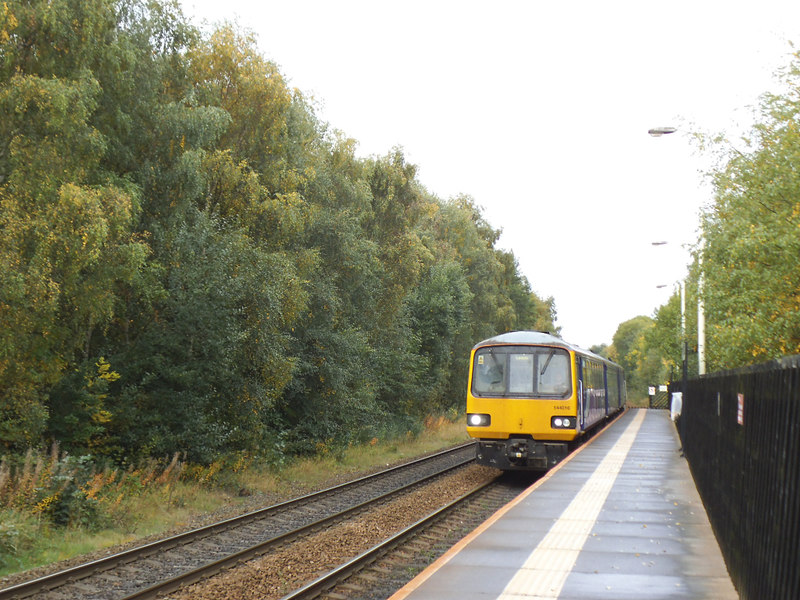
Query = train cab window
x=554 y=380
x=489 y=375
x=521 y=371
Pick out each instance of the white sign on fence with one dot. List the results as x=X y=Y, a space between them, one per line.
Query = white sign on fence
x=740 y=410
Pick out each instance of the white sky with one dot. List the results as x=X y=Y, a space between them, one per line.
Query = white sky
x=540 y=111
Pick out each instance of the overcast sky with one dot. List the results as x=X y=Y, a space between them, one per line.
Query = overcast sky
x=540 y=111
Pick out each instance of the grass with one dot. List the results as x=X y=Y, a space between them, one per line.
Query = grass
x=313 y=472
x=108 y=508
x=640 y=402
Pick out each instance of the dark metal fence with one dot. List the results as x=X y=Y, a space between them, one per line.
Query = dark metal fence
x=741 y=436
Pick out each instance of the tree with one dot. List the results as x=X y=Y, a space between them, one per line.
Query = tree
x=664 y=340
x=529 y=311
x=629 y=350
x=190 y=261
x=271 y=130
x=750 y=246
x=439 y=313
x=66 y=242
x=204 y=373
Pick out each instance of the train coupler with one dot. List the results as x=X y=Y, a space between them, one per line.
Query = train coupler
x=520 y=454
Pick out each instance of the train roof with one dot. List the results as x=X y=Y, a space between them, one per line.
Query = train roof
x=535 y=338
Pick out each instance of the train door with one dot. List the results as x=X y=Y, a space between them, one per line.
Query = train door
x=583 y=404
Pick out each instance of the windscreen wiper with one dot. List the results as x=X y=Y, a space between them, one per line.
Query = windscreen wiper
x=497 y=367
x=547 y=362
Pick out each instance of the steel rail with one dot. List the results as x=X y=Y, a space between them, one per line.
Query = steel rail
x=67 y=576
x=340 y=574
x=171 y=585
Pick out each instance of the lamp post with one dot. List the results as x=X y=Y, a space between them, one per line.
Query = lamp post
x=701 y=317
x=701 y=320
x=658 y=132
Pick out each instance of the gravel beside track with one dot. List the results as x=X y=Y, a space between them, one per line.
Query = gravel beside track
x=399 y=565
x=253 y=502
x=277 y=574
x=119 y=581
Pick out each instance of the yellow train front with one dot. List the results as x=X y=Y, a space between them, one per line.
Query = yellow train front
x=532 y=397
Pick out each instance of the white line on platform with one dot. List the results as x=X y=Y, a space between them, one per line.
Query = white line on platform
x=546 y=570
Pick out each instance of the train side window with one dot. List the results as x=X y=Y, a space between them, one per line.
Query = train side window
x=613 y=387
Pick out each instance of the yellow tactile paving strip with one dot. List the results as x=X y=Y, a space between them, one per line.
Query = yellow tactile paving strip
x=415 y=583
x=547 y=568
x=619 y=519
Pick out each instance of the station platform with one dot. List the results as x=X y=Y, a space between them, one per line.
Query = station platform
x=619 y=519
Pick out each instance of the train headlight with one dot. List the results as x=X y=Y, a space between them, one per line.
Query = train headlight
x=563 y=422
x=478 y=420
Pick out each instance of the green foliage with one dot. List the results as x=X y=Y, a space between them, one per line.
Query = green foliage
x=78 y=414
x=65 y=245
x=190 y=262
x=624 y=349
x=229 y=72
x=53 y=487
x=439 y=312
x=636 y=347
x=18 y=533
x=664 y=339
x=747 y=262
x=217 y=349
x=751 y=246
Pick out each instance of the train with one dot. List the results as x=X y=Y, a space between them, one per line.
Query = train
x=532 y=398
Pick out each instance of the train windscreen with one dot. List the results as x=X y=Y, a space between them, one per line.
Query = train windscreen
x=521 y=371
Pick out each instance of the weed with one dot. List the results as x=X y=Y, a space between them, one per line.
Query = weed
x=18 y=532
x=53 y=506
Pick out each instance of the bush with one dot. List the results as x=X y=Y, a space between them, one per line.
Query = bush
x=18 y=532
x=78 y=492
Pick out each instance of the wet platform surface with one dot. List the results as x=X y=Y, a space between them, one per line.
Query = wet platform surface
x=621 y=519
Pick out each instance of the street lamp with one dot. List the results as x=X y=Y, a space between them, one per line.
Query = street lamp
x=659 y=131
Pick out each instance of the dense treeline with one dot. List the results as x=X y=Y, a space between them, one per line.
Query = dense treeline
x=191 y=261
x=746 y=266
x=750 y=247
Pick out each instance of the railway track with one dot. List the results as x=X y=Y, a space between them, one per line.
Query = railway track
x=167 y=565
x=387 y=566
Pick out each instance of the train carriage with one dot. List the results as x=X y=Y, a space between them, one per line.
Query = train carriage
x=532 y=397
